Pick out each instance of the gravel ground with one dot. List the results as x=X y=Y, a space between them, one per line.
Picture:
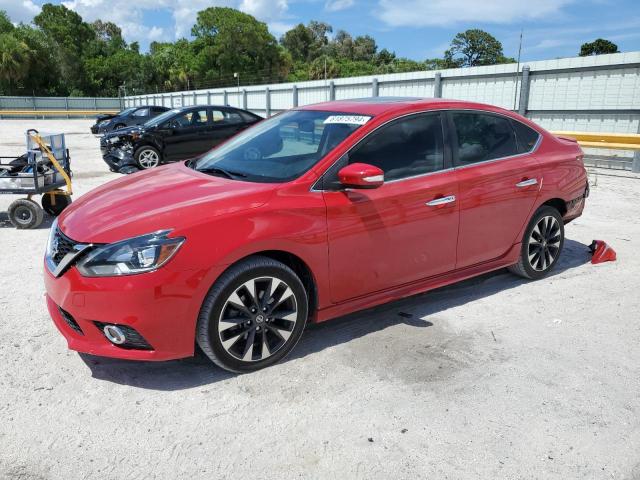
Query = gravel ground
x=491 y=378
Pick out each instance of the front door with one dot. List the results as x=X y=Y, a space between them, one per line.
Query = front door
x=404 y=230
x=499 y=181
x=185 y=137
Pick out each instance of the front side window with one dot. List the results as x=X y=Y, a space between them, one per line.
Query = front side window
x=282 y=147
x=482 y=137
x=405 y=148
x=192 y=118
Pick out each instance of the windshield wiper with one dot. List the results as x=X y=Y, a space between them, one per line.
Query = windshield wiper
x=221 y=171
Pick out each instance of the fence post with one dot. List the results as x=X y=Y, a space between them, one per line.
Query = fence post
x=244 y=98
x=195 y=98
x=523 y=104
x=225 y=98
x=182 y=99
x=95 y=103
x=332 y=90
x=208 y=97
x=374 y=87
x=437 y=85
x=294 y=93
x=66 y=106
x=267 y=101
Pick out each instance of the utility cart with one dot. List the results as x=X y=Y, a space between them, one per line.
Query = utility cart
x=44 y=170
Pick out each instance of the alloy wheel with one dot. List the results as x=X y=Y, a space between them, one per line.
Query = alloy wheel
x=544 y=243
x=257 y=319
x=148 y=159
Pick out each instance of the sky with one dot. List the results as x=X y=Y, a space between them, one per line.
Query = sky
x=417 y=29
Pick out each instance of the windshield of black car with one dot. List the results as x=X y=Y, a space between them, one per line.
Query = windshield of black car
x=155 y=121
x=126 y=111
x=281 y=148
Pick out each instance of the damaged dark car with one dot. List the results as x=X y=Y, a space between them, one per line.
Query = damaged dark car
x=175 y=135
x=126 y=118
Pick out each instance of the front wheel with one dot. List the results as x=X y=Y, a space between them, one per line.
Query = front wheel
x=253 y=315
x=541 y=244
x=147 y=157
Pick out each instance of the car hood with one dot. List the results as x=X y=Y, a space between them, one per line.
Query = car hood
x=169 y=197
x=105 y=116
x=125 y=131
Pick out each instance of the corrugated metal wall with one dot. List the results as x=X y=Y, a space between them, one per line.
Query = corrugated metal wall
x=59 y=103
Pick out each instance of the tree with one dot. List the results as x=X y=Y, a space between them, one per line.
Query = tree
x=228 y=41
x=297 y=42
x=15 y=58
x=474 y=47
x=5 y=23
x=599 y=46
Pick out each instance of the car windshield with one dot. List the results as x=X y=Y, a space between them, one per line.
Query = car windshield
x=155 y=121
x=127 y=110
x=281 y=148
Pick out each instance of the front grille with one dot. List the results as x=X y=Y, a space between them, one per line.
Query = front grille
x=63 y=244
x=134 y=340
x=69 y=320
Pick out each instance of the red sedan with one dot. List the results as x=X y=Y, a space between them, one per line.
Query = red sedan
x=309 y=215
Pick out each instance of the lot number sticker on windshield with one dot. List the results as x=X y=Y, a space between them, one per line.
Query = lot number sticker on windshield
x=348 y=119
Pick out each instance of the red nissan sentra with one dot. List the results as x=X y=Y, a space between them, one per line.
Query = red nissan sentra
x=309 y=215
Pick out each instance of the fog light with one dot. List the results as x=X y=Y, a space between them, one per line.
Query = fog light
x=114 y=334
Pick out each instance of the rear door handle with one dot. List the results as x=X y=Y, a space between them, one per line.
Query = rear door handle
x=441 y=201
x=527 y=183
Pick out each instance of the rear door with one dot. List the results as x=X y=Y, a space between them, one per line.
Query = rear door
x=499 y=180
x=404 y=230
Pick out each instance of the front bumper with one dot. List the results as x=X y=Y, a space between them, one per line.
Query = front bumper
x=116 y=159
x=162 y=306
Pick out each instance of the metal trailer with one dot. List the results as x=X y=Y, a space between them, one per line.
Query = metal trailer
x=44 y=170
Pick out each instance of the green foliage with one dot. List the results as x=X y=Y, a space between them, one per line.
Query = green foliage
x=61 y=54
x=599 y=46
x=473 y=48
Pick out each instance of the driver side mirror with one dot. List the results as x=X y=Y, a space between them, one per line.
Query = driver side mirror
x=361 y=175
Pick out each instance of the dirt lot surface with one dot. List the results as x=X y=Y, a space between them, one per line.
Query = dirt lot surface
x=491 y=378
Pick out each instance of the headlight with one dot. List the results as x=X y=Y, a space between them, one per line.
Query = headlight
x=104 y=123
x=128 y=257
x=114 y=139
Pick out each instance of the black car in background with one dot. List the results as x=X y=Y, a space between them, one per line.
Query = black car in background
x=126 y=118
x=175 y=135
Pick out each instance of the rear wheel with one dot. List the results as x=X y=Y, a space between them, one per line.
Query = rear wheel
x=54 y=203
x=253 y=315
x=147 y=157
x=541 y=245
x=25 y=213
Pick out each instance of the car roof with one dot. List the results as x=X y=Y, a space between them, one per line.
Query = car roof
x=377 y=105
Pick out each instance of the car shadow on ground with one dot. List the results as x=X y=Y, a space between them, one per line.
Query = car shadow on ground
x=198 y=370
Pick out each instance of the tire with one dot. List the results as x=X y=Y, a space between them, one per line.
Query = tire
x=25 y=214
x=225 y=333
x=147 y=157
x=541 y=244
x=62 y=201
x=118 y=126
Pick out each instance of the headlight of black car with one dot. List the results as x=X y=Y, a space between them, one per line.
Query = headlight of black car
x=129 y=257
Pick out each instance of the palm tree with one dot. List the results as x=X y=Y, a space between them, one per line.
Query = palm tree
x=15 y=58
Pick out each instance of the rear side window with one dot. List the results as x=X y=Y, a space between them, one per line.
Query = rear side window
x=526 y=137
x=405 y=148
x=483 y=137
x=141 y=112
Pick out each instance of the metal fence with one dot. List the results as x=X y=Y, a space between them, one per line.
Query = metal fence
x=29 y=107
x=586 y=94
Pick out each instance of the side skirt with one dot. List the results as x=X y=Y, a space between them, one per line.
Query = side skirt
x=431 y=283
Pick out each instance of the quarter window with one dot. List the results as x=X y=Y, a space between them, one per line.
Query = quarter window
x=482 y=137
x=405 y=148
x=526 y=136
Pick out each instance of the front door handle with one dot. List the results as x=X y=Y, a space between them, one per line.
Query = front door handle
x=527 y=183
x=441 y=201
